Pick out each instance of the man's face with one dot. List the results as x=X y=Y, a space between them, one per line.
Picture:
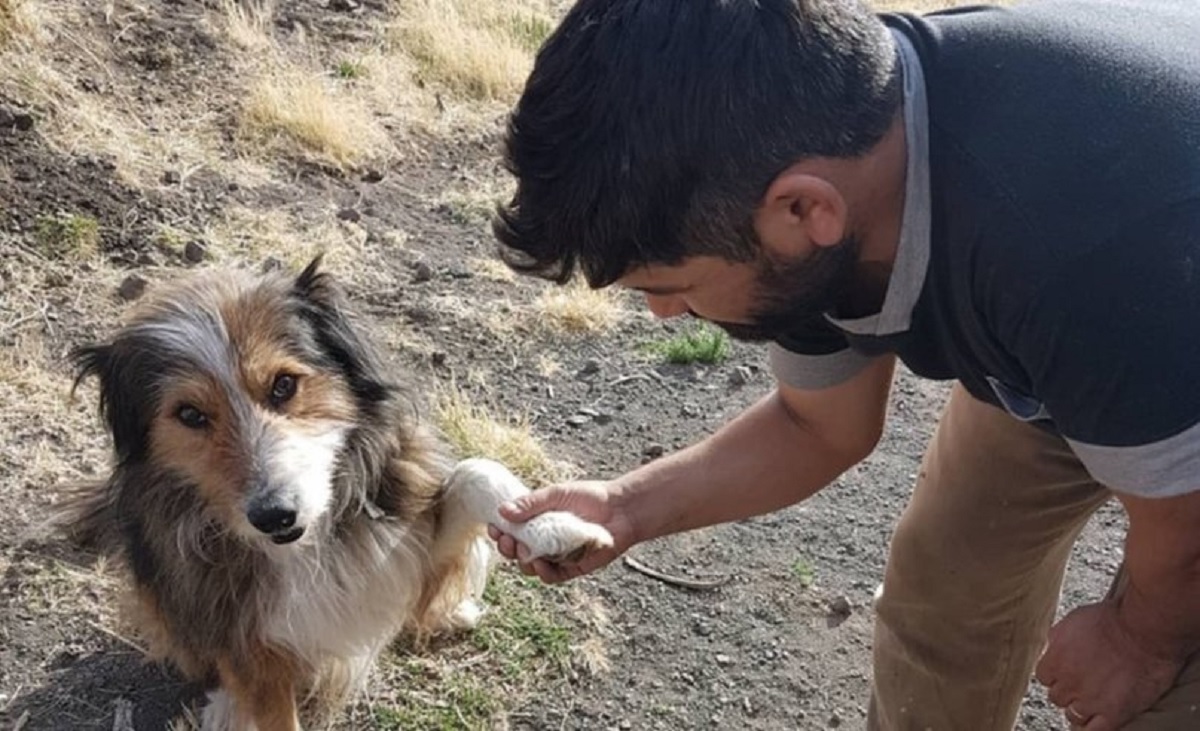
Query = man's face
x=752 y=301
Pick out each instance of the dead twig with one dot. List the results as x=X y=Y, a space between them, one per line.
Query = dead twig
x=627 y=379
x=700 y=584
x=123 y=640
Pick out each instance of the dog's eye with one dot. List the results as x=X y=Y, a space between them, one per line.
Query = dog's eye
x=191 y=417
x=283 y=389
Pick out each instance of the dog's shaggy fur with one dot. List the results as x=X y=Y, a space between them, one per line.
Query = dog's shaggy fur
x=281 y=511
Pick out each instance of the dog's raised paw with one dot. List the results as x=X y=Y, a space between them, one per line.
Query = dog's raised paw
x=559 y=536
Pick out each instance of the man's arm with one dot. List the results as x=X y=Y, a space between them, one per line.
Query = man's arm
x=1160 y=607
x=776 y=453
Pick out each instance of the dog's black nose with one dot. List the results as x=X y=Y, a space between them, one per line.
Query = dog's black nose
x=272 y=520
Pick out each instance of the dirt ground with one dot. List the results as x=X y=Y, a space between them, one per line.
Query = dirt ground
x=131 y=153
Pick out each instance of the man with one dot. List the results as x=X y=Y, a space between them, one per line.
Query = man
x=1009 y=198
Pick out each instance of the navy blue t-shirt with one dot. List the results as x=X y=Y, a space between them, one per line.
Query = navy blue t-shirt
x=1050 y=259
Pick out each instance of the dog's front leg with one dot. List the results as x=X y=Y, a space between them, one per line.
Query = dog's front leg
x=478 y=487
x=261 y=689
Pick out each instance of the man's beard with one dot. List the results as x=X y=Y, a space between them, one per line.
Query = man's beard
x=792 y=293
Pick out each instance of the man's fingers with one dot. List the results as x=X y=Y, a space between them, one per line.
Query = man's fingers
x=529 y=506
x=494 y=533
x=507 y=546
x=1059 y=695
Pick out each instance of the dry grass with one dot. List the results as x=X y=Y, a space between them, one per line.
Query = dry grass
x=578 y=309
x=253 y=235
x=480 y=50
x=248 y=23
x=475 y=431
x=493 y=270
x=9 y=20
x=293 y=110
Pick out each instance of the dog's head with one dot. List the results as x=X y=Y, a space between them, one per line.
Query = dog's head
x=243 y=389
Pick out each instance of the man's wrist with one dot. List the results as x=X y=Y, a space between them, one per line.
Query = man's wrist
x=1145 y=623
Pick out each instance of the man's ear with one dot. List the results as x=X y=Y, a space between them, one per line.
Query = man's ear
x=800 y=211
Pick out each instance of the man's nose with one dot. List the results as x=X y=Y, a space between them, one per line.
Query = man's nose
x=666 y=306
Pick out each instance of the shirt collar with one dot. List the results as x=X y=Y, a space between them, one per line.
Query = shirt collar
x=912 y=254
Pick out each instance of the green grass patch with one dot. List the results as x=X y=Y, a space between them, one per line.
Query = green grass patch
x=529 y=31
x=523 y=645
x=803 y=570
x=67 y=235
x=702 y=344
x=349 y=70
x=461 y=703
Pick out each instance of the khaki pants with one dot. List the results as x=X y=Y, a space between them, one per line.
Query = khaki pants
x=974 y=575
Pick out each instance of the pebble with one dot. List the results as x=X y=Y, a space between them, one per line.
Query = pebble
x=654 y=451
x=349 y=214
x=724 y=660
x=422 y=272
x=194 y=251
x=172 y=177
x=590 y=367
x=577 y=420
x=740 y=376
x=133 y=287
x=344 y=6
x=13 y=118
x=372 y=176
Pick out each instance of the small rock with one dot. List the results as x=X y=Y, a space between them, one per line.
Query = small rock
x=372 y=176
x=194 y=251
x=654 y=451
x=740 y=376
x=603 y=418
x=438 y=359
x=840 y=605
x=460 y=272
x=271 y=264
x=233 y=187
x=349 y=214
x=13 y=118
x=835 y=720
x=577 y=420
x=146 y=259
x=585 y=411
x=172 y=177
x=590 y=367
x=422 y=272
x=133 y=287
x=724 y=660
x=344 y=6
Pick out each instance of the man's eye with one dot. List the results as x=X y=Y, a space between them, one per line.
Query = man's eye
x=191 y=417
x=283 y=389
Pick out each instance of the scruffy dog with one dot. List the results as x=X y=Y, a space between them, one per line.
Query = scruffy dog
x=281 y=512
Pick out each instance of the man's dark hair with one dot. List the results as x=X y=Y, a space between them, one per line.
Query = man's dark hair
x=649 y=129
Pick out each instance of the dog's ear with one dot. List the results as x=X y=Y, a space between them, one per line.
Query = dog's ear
x=126 y=402
x=315 y=285
x=323 y=306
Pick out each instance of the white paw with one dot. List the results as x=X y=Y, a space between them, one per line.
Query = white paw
x=560 y=536
x=466 y=615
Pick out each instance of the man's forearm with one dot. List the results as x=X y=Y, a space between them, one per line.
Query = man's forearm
x=1161 y=604
x=762 y=461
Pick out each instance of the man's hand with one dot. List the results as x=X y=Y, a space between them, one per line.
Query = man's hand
x=1097 y=673
x=595 y=502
